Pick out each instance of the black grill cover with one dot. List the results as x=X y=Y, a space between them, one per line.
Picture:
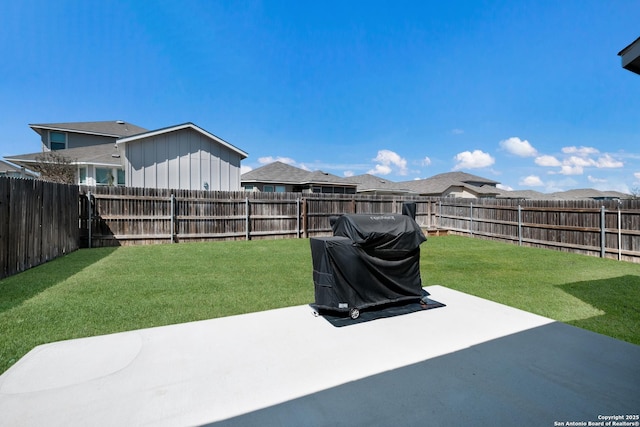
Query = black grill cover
x=371 y=260
x=384 y=235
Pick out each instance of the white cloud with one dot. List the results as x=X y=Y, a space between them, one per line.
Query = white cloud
x=380 y=170
x=473 y=160
x=595 y=180
x=531 y=181
x=245 y=169
x=504 y=187
x=387 y=160
x=578 y=162
x=606 y=161
x=568 y=169
x=457 y=131
x=518 y=147
x=348 y=173
x=636 y=174
x=574 y=165
x=581 y=151
x=547 y=161
x=271 y=159
x=426 y=161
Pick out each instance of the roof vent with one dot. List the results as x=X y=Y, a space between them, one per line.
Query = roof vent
x=120 y=122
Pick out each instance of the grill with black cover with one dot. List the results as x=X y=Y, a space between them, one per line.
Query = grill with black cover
x=371 y=259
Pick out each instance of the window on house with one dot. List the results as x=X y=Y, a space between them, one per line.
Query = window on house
x=268 y=188
x=57 y=140
x=83 y=176
x=120 y=177
x=248 y=188
x=104 y=176
x=280 y=189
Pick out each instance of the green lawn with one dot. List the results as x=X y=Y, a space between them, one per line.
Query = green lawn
x=99 y=291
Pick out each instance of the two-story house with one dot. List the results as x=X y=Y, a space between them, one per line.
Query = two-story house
x=184 y=156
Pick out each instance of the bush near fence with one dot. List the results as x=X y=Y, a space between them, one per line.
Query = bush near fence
x=40 y=221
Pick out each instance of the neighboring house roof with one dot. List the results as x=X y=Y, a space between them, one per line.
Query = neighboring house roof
x=439 y=184
x=368 y=183
x=282 y=173
x=189 y=125
x=101 y=155
x=630 y=56
x=522 y=194
x=587 y=193
x=578 y=194
x=464 y=177
x=7 y=168
x=113 y=128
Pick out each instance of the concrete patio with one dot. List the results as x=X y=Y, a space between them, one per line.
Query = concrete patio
x=473 y=362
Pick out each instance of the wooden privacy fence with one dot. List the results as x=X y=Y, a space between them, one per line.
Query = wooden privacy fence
x=38 y=222
x=138 y=216
x=608 y=229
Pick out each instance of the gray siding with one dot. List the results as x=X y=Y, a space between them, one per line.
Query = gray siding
x=83 y=140
x=183 y=159
x=75 y=140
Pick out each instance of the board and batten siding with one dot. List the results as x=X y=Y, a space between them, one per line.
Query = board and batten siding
x=183 y=159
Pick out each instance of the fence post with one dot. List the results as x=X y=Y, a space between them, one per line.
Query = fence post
x=439 y=213
x=602 y=233
x=471 y=218
x=619 y=233
x=519 y=225
x=89 y=218
x=247 y=225
x=304 y=218
x=172 y=207
x=298 y=217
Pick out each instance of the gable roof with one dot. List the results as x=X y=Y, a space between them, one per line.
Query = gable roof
x=113 y=128
x=439 y=184
x=282 y=173
x=188 y=125
x=370 y=183
x=100 y=154
x=463 y=177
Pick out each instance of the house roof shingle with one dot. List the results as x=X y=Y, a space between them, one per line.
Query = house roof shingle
x=113 y=128
x=438 y=184
x=101 y=154
x=587 y=193
x=278 y=172
x=371 y=183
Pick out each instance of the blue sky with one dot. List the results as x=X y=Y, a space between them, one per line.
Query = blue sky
x=528 y=93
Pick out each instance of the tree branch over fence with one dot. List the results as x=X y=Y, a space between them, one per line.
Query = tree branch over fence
x=54 y=167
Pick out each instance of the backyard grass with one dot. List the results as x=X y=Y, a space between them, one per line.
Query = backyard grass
x=99 y=291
